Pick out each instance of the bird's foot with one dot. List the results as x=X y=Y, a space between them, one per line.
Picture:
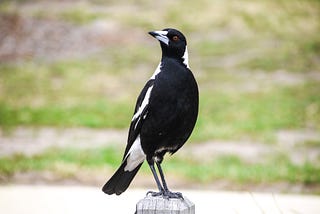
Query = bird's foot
x=166 y=194
x=154 y=194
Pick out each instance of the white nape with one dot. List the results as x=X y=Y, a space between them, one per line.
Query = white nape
x=157 y=71
x=185 y=58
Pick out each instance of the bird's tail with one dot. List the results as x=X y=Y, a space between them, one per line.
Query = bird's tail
x=121 y=179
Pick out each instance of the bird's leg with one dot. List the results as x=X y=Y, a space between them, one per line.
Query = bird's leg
x=164 y=183
x=156 y=178
x=167 y=193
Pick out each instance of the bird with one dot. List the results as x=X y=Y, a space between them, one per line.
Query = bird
x=164 y=117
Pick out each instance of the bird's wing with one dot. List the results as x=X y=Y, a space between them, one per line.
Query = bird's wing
x=140 y=113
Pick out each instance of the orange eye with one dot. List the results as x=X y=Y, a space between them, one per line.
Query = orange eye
x=175 y=38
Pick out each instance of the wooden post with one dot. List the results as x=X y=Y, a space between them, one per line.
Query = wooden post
x=160 y=205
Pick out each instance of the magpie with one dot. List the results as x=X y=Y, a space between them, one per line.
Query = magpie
x=164 y=117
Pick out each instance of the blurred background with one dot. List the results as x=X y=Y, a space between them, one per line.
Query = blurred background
x=70 y=72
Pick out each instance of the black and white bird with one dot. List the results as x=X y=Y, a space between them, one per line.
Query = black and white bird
x=164 y=117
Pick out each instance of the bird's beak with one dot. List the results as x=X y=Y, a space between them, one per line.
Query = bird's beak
x=160 y=35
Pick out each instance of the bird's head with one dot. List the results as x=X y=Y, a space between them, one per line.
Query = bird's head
x=173 y=44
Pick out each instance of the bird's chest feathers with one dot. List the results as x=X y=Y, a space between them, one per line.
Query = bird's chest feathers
x=172 y=80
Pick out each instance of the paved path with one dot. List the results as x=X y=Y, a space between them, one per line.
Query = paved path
x=76 y=199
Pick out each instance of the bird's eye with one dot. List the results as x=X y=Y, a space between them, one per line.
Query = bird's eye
x=175 y=38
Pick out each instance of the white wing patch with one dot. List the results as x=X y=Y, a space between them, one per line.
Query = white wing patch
x=135 y=155
x=185 y=58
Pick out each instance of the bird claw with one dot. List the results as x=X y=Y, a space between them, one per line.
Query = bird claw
x=154 y=194
x=169 y=194
x=166 y=194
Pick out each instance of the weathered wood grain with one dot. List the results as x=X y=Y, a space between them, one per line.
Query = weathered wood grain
x=160 y=205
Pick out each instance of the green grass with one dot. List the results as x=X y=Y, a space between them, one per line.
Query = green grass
x=49 y=159
x=233 y=169
x=94 y=115
x=257 y=114
x=229 y=168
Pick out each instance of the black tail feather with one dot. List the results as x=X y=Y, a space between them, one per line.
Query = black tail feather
x=120 y=181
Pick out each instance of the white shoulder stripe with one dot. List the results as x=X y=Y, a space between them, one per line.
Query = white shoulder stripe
x=144 y=103
x=158 y=70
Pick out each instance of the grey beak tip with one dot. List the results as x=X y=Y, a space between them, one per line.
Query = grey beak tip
x=152 y=33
